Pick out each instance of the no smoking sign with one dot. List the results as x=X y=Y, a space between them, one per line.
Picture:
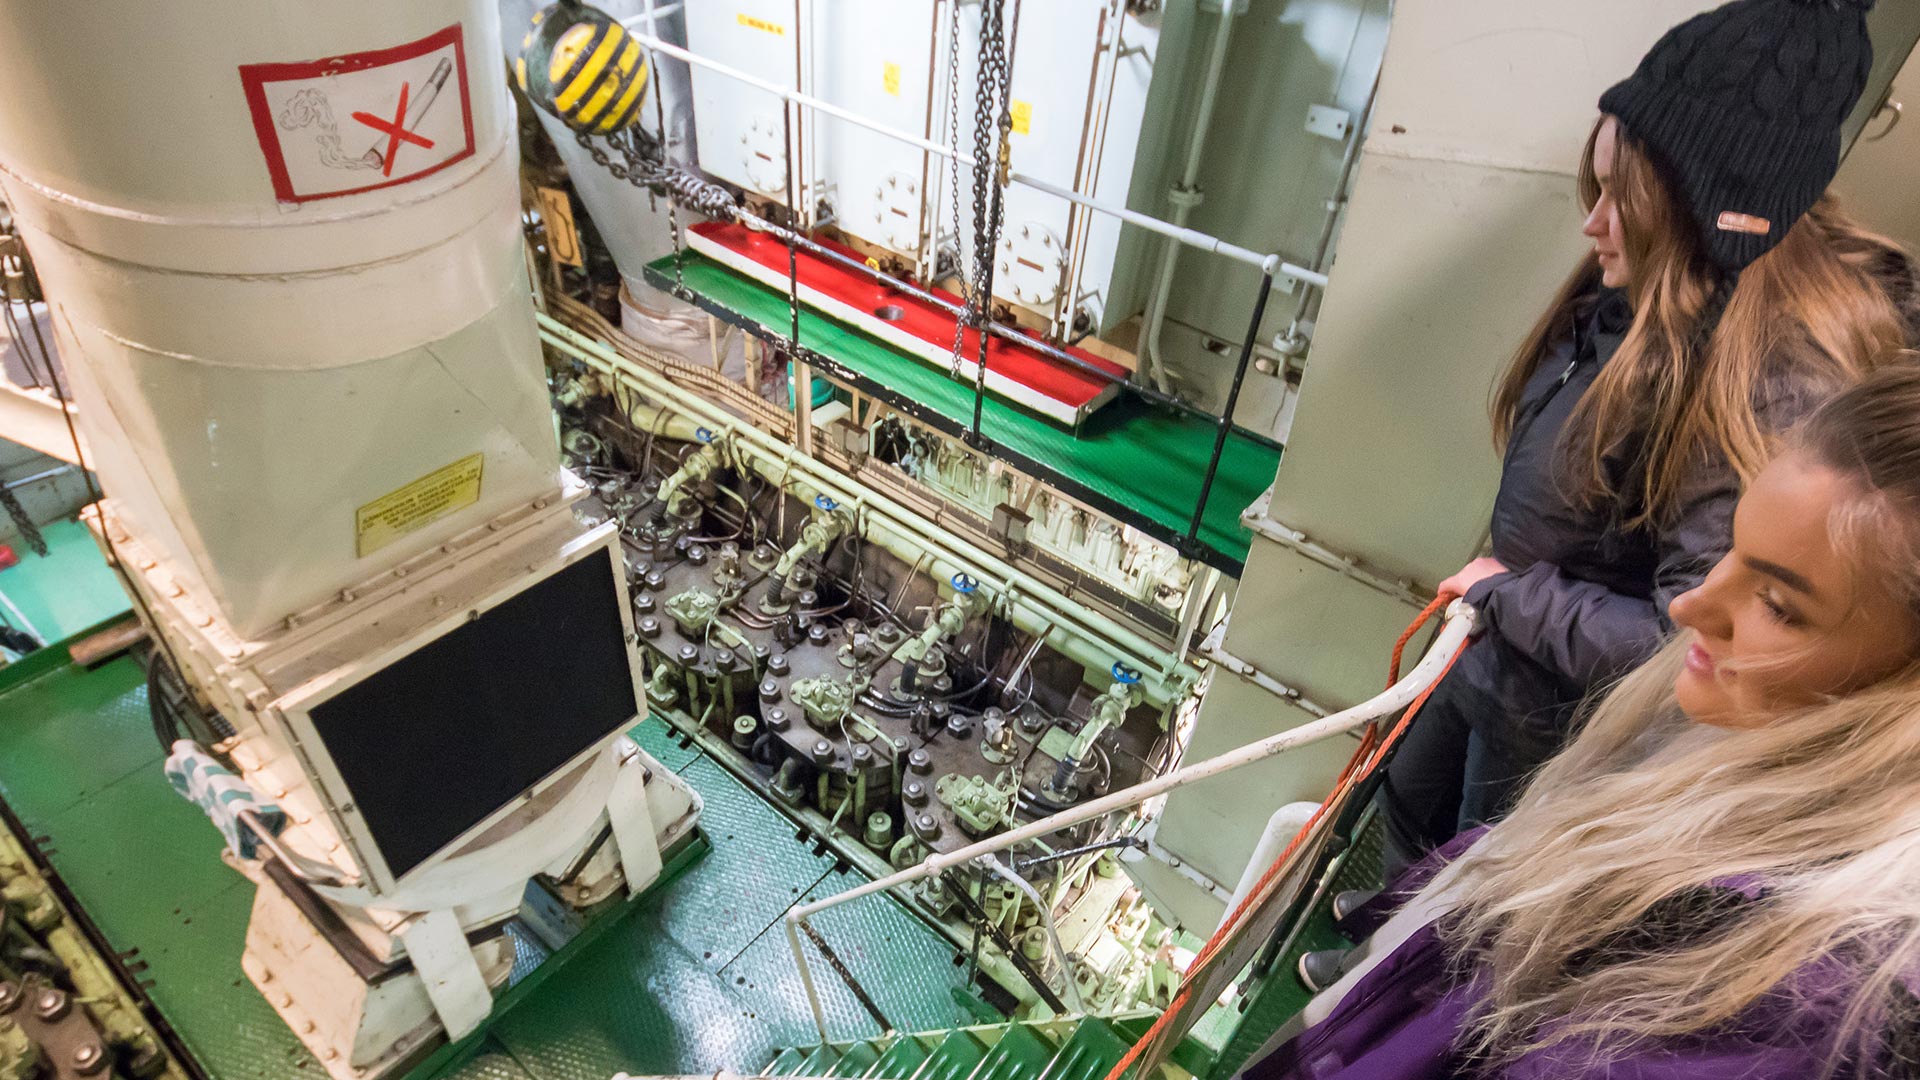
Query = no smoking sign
x=362 y=121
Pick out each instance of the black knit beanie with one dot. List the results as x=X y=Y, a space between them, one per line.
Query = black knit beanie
x=1741 y=108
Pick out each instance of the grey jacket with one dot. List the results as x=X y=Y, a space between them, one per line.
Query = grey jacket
x=1585 y=599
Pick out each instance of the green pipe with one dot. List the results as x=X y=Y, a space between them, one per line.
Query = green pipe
x=1089 y=637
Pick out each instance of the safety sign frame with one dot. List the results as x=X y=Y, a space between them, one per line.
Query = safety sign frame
x=309 y=132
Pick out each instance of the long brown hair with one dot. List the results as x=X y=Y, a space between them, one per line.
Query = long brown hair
x=1810 y=311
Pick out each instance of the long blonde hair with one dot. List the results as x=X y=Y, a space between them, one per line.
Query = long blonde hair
x=1673 y=400
x=1821 y=806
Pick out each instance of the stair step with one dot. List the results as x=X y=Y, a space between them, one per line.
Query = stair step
x=820 y=1062
x=785 y=1062
x=899 y=1062
x=954 y=1059
x=1021 y=1054
x=857 y=1060
x=1088 y=1054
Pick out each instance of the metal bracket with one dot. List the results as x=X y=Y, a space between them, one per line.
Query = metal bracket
x=1213 y=649
x=1255 y=517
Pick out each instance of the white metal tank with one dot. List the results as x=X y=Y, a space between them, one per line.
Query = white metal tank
x=281 y=242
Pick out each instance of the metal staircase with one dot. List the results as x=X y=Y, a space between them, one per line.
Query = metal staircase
x=1072 y=1048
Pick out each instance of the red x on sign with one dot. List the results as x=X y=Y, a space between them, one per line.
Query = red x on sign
x=394 y=130
x=343 y=125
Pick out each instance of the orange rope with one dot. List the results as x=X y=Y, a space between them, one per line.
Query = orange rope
x=1367 y=758
x=1400 y=646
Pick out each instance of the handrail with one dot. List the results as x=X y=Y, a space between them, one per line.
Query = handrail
x=1461 y=623
x=1269 y=263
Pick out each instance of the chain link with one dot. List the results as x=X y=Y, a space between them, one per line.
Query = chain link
x=953 y=184
x=991 y=116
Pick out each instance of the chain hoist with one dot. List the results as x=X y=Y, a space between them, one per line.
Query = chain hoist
x=991 y=167
x=953 y=183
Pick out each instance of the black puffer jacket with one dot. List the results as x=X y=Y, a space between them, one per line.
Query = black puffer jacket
x=1586 y=600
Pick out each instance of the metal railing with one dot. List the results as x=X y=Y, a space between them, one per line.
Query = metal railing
x=1461 y=622
x=1270 y=266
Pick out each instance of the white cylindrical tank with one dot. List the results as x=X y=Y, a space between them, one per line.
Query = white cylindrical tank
x=281 y=244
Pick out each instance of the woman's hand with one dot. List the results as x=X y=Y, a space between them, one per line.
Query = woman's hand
x=1470 y=575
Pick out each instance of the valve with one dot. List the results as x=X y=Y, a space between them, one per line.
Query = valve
x=1107 y=711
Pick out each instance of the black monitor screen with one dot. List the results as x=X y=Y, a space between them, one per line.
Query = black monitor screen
x=456 y=729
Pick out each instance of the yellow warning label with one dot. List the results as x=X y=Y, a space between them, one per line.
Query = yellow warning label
x=563 y=239
x=420 y=503
x=1021 y=112
x=752 y=23
x=890 y=78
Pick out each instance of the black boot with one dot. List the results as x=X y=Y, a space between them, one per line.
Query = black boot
x=1319 y=970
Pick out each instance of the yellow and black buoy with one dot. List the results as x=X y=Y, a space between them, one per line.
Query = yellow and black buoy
x=578 y=63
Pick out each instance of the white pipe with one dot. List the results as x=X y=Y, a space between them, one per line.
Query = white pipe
x=1461 y=622
x=1282 y=827
x=1193 y=238
x=1000 y=870
x=1185 y=195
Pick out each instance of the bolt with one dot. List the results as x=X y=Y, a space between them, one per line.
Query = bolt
x=862 y=754
x=816 y=634
x=823 y=751
x=644 y=603
x=927 y=827
x=51 y=1005
x=88 y=1058
x=654 y=580
x=688 y=654
x=770 y=690
x=915 y=793
x=920 y=761
x=696 y=554
x=777 y=664
x=723 y=658
x=649 y=627
x=777 y=719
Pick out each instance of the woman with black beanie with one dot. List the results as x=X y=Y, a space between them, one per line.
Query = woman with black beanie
x=1725 y=296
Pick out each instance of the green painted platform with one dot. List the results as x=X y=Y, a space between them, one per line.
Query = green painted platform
x=66 y=590
x=1138 y=463
x=696 y=978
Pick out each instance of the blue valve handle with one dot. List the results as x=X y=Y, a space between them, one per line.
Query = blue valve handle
x=825 y=503
x=703 y=435
x=965 y=583
x=1124 y=675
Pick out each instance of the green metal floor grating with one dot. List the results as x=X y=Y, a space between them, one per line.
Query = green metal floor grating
x=64 y=591
x=1141 y=464
x=697 y=979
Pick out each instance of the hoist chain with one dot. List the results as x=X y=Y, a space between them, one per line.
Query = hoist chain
x=991 y=164
x=643 y=164
x=953 y=183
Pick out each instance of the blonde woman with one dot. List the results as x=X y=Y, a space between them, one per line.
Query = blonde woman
x=1720 y=877
x=1723 y=297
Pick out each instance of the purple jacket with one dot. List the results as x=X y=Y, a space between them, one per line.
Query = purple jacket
x=1401 y=1020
